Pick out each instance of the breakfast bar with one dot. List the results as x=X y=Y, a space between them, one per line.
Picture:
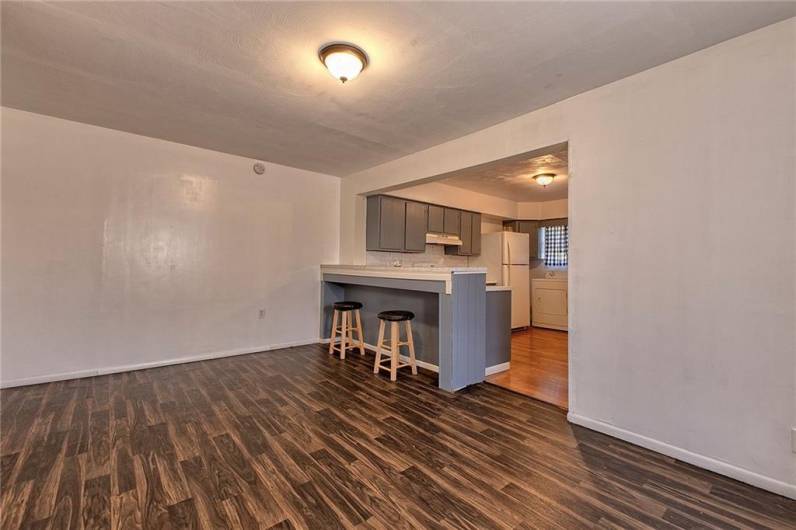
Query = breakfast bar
x=449 y=304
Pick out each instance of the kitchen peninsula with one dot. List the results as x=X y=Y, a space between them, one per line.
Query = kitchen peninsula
x=449 y=304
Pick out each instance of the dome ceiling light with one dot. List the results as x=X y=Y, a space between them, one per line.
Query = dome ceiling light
x=544 y=178
x=344 y=61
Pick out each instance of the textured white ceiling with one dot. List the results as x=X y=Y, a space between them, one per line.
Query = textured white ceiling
x=244 y=78
x=511 y=178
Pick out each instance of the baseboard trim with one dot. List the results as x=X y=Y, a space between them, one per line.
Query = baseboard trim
x=706 y=462
x=79 y=374
x=502 y=367
x=420 y=364
x=433 y=367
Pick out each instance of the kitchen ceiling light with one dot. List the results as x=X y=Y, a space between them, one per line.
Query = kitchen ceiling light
x=544 y=178
x=344 y=61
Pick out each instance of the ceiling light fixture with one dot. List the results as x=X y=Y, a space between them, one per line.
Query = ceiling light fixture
x=344 y=61
x=544 y=178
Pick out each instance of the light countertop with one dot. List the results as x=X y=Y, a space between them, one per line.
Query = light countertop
x=403 y=270
x=414 y=273
x=408 y=273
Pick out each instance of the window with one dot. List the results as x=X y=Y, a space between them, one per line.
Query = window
x=555 y=245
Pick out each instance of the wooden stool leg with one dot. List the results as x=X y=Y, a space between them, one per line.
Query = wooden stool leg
x=351 y=328
x=359 y=332
x=334 y=331
x=379 y=345
x=394 y=332
x=411 y=342
x=344 y=335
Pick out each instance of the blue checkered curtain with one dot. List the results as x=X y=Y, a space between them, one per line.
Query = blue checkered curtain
x=556 y=244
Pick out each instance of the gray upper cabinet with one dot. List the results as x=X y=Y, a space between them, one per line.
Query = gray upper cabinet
x=400 y=225
x=475 y=249
x=466 y=234
x=416 y=226
x=470 y=234
x=393 y=220
x=386 y=221
x=532 y=229
x=372 y=222
x=526 y=227
x=436 y=219
x=452 y=221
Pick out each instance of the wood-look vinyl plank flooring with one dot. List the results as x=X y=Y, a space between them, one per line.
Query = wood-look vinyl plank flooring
x=296 y=438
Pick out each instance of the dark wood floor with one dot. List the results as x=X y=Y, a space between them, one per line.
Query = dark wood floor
x=297 y=438
x=539 y=367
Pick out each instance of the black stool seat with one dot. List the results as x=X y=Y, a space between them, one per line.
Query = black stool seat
x=396 y=315
x=347 y=306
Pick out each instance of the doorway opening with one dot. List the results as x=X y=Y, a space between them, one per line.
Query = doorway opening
x=530 y=255
x=539 y=365
x=523 y=206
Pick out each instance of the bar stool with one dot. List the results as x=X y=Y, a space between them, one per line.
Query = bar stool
x=395 y=318
x=347 y=311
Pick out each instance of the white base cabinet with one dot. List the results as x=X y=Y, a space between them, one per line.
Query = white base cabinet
x=549 y=303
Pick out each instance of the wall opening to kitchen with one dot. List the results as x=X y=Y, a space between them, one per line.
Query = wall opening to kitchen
x=524 y=229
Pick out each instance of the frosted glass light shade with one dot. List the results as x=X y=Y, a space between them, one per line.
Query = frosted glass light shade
x=344 y=61
x=544 y=179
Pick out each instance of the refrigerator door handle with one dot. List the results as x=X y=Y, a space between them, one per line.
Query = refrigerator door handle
x=508 y=250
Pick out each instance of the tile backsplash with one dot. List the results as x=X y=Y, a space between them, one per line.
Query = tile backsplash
x=433 y=256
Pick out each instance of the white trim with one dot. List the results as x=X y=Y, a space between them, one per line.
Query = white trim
x=706 y=462
x=49 y=378
x=433 y=367
x=79 y=374
x=502 y=367
x=549 y=326
x=420 y=364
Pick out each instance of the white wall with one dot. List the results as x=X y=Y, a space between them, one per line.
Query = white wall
x=491 y=224
x=542 y=210
x=489 y=205
x=123 y=250
x=682 y=278
x=455 y=197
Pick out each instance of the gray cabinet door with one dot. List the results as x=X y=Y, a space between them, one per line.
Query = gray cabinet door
x=532 y=229
x=452 y=221
x=416 y=226
x=373 y=223
x=475 y=247
x=466 y=234
x=392 y=224
x=436 y=219
x=468 y=229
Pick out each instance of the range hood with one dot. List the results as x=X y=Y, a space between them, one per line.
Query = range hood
x=443 y=239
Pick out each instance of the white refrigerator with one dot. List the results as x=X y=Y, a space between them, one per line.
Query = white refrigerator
x=505 y=256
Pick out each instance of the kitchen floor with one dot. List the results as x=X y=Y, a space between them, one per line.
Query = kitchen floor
x=538 y=366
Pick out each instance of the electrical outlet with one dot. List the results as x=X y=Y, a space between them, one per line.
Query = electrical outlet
x=262 y=314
